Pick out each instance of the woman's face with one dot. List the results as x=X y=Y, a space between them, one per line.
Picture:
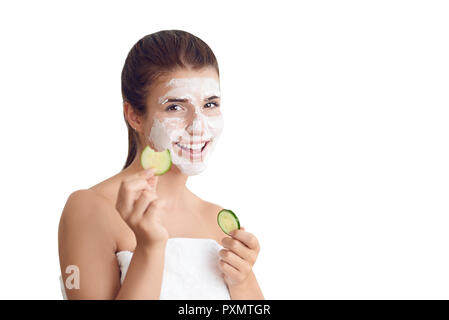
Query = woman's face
x=184 y=116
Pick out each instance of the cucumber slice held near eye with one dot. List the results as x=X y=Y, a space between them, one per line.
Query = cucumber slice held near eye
x=161 y=161
x=228 y=221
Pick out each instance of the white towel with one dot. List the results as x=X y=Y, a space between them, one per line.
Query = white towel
x=190 y=271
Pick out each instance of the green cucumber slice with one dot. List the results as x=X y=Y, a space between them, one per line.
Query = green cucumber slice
x=228 y=221
x=161 y=161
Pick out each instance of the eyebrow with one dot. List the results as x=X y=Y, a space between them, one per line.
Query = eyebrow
x=186 y=100
x=174 y=100
x=212 y=98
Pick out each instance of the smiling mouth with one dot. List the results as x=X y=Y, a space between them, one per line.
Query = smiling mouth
x=194 y=148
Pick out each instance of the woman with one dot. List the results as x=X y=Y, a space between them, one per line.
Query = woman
x=141 y=236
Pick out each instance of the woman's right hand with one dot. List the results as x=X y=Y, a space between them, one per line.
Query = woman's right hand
x=139 y=206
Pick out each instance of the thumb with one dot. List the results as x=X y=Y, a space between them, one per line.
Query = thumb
x=152 y=182
x=242 y=228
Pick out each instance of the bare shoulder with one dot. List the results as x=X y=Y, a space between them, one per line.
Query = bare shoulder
x=211 y=208
x=210 y=211
x=85 y=211
x=83 y=203
x=87 y=241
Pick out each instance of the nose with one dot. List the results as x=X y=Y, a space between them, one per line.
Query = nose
x=197 y=125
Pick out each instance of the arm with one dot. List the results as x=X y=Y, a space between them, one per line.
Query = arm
x=86 y=241
x=237 y=260
x=247 y=290
x=146 y=267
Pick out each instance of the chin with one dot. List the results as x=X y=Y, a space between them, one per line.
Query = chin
x=191 y=169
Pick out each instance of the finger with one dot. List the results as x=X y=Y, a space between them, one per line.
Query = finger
x=246 y=238
x=239 y=249
x=154 y=214
x=128 y=193
x=154 y=209
x=148 y=173
x=152 y=182
x=235 y=261
x=147 y=178
x=228 y=270
x=142 y=204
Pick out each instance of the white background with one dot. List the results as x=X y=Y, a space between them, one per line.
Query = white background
x=334 y=153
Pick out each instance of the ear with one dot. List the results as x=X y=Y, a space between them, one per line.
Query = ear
x=132 y=117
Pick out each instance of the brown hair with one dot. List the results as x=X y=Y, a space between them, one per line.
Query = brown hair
x=152 y=56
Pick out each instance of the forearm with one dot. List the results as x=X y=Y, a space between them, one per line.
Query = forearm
x=144 y=276
x=247 y=290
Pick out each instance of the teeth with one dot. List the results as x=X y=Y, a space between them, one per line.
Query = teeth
x=192 y=146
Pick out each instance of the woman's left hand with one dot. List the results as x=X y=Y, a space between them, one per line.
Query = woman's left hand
x=238 y=256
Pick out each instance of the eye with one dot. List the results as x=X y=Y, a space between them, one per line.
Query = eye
x=215 y=105
x=173 y=107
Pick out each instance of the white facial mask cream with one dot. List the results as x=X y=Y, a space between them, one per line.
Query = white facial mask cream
x=190 y=142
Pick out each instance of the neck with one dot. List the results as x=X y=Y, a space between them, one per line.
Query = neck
x=171 y=186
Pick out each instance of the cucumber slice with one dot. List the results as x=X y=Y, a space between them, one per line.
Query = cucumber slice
x=161 y=161
x=228 y=221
